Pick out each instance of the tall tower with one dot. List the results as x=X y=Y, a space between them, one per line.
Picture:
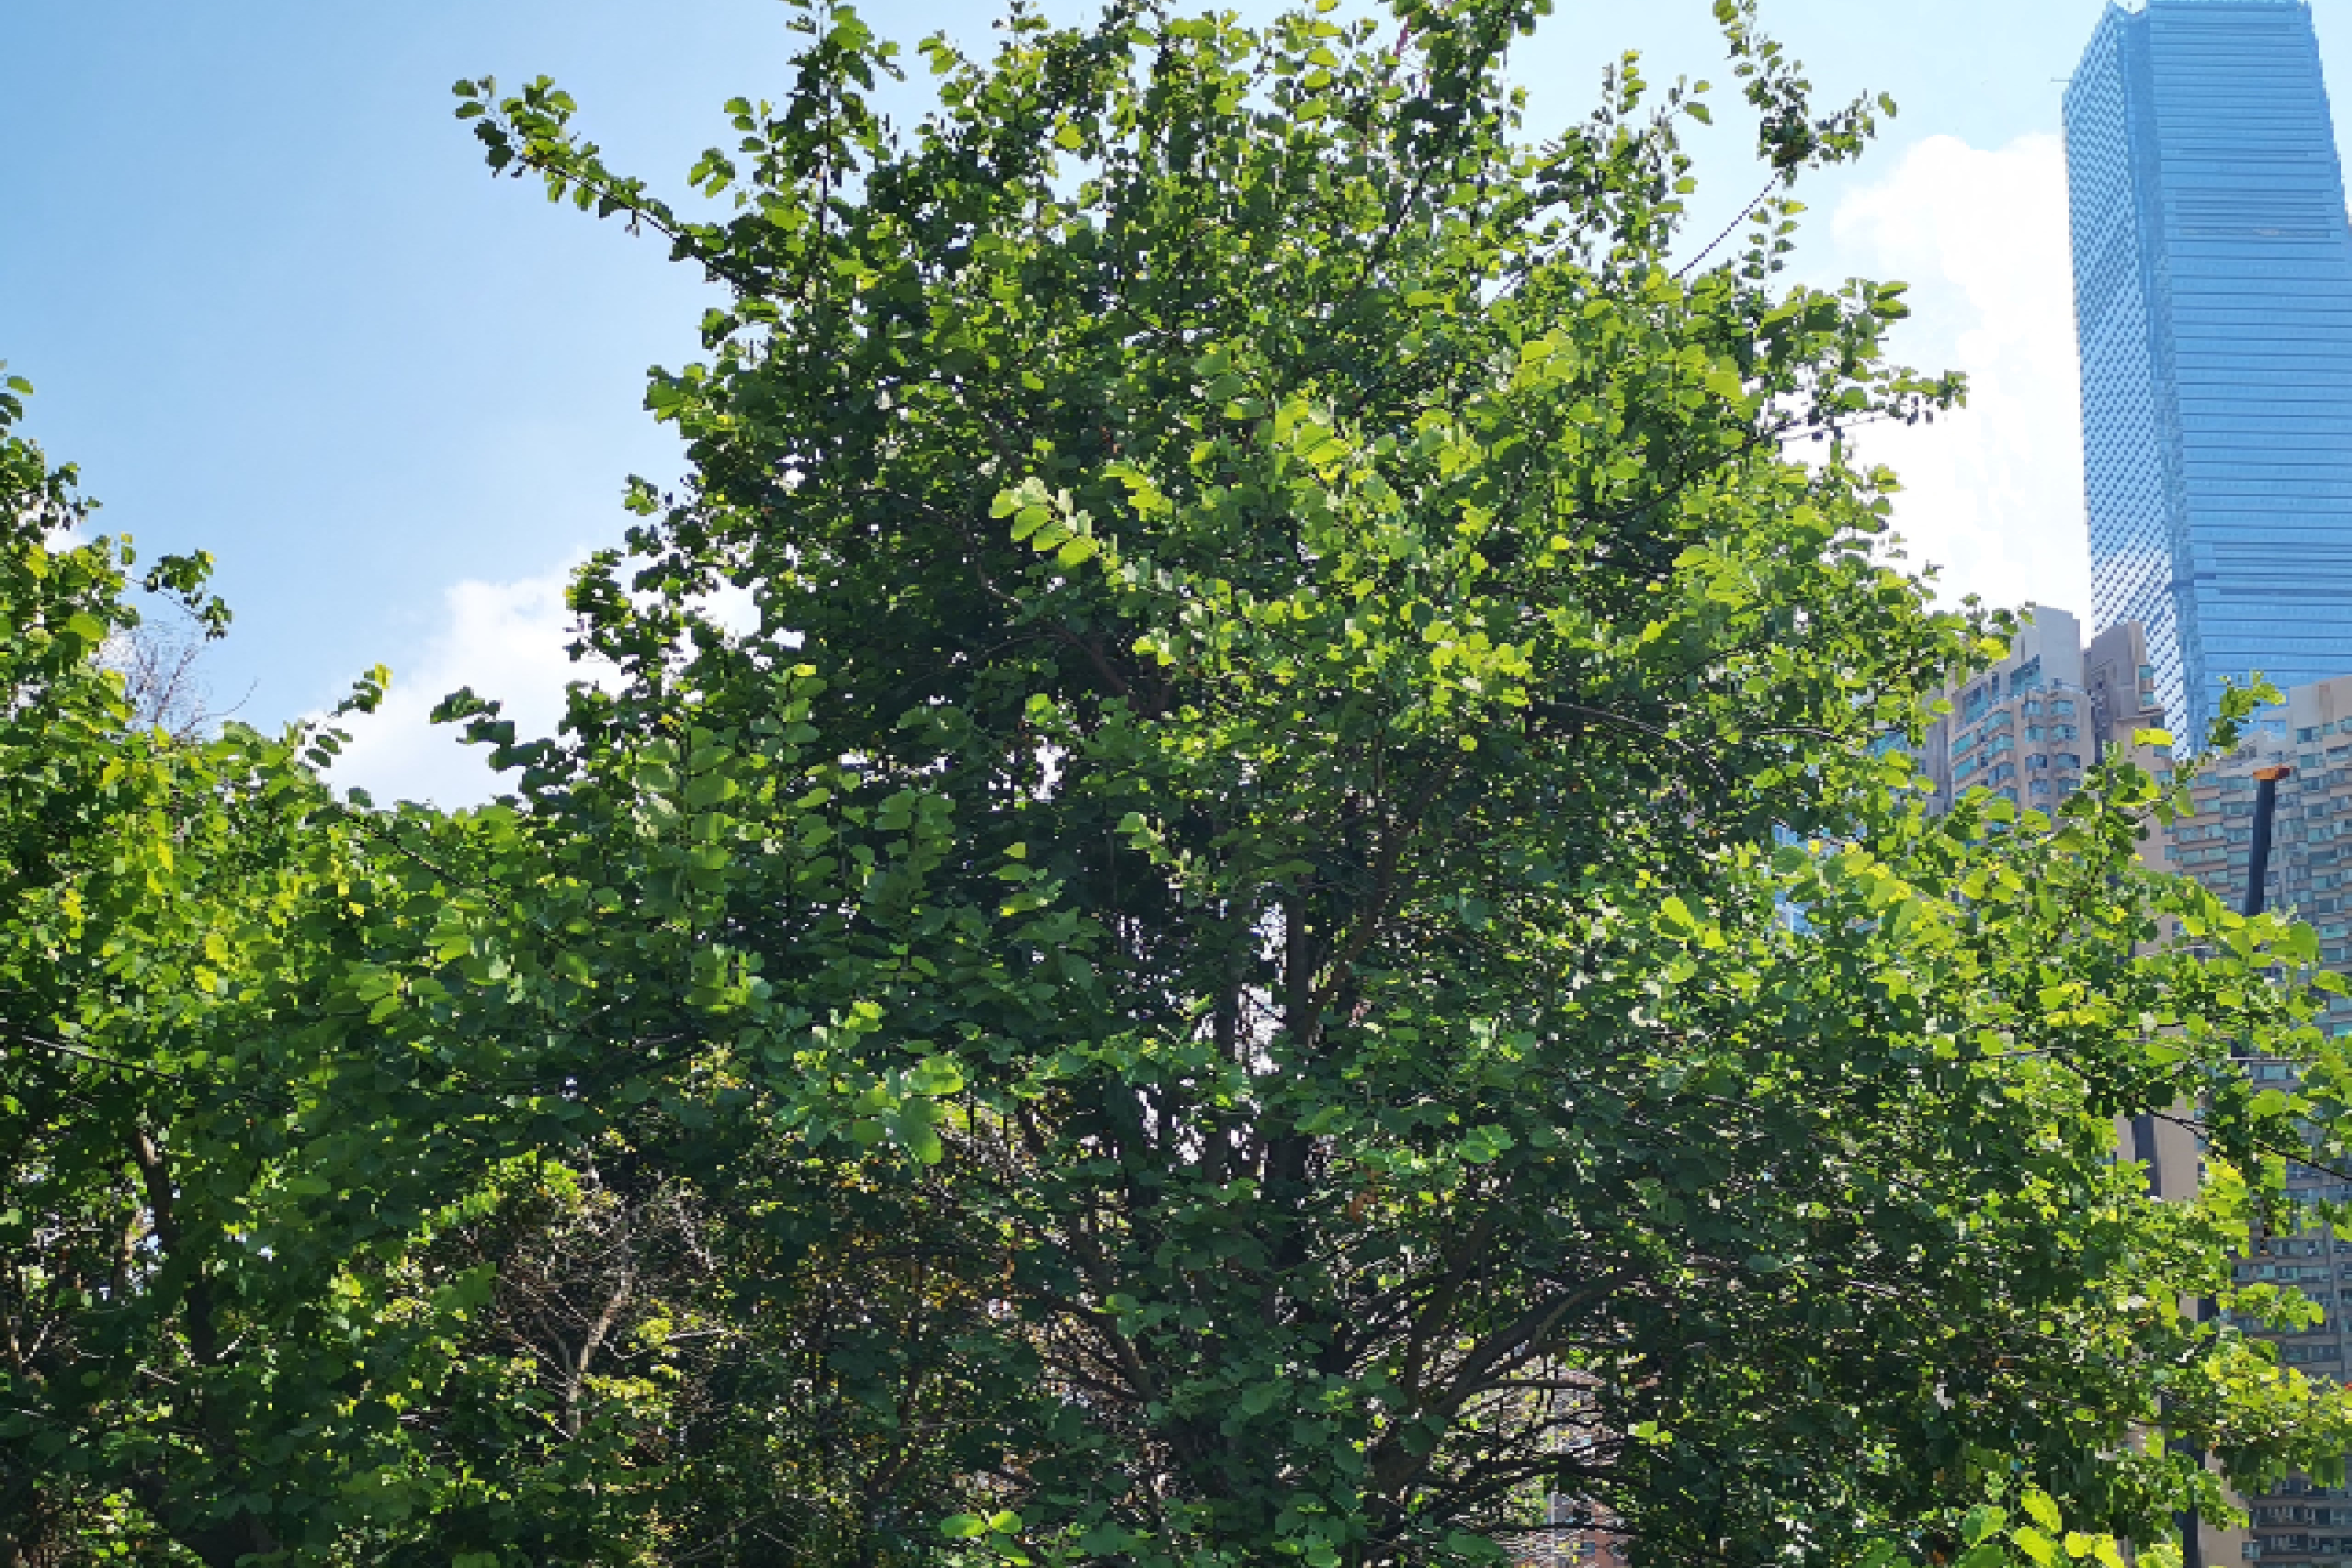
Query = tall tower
x=2214 y=304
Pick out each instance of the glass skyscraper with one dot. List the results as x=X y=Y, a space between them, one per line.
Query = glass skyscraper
x=2213 y=301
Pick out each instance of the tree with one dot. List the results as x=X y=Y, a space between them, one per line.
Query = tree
x=1302 y=928
x=337 y=1229
x=113 y=838
x=1343 y=732
x=161 y=665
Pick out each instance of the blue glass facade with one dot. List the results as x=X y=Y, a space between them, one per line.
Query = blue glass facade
x=2213 y=303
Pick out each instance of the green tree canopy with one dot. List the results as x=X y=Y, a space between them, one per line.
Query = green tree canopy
x=1377 y=746
x=1301 y=934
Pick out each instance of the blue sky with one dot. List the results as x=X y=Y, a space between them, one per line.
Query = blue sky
x=275 y=307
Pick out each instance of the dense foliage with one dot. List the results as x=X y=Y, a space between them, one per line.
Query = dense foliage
x=1296 y=934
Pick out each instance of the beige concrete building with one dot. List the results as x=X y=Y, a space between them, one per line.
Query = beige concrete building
x=2027 y=728
x=2021 y=729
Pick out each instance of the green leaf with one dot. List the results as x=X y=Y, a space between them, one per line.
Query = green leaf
x=938 y=1075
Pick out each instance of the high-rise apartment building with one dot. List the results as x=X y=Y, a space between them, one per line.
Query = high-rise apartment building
x=2213 y=302
x=2122 y=685
x=2310 y=863
x=2027 y=727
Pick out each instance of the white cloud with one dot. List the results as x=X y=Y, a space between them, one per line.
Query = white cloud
x=736 y=609
x=1993 y=494
x=504 y=640
x=508 y=641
